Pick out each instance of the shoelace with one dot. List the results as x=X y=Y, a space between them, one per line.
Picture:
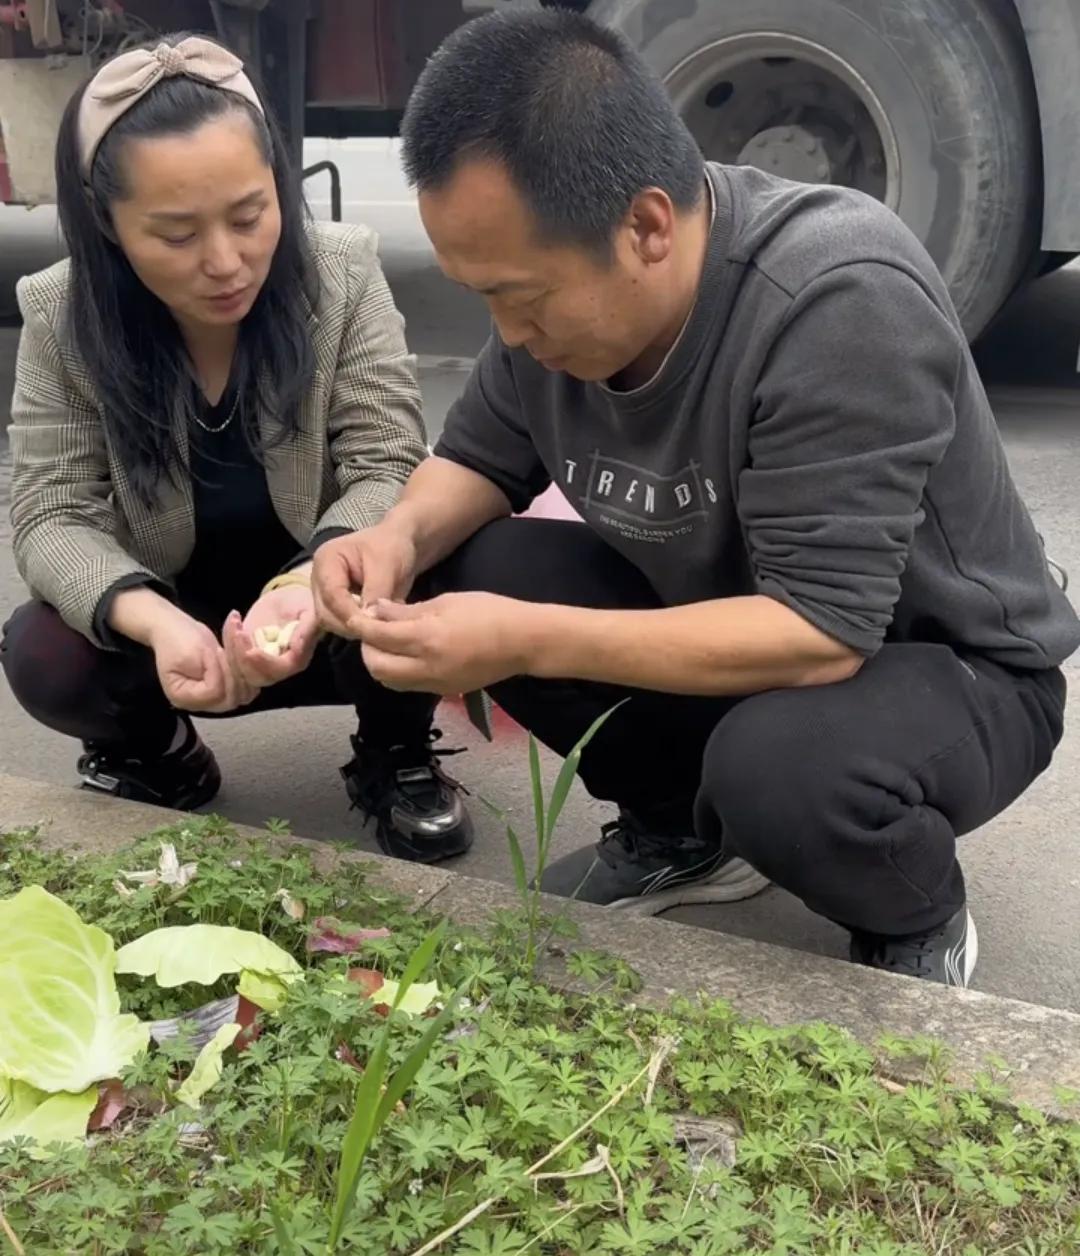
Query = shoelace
x=384 y=764
x=633 y=839
x=906 y=954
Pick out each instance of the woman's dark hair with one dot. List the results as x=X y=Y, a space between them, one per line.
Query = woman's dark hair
x=128 y=339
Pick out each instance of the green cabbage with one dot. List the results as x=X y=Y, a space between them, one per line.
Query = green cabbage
x=60 y=1022
x=206 y=1070
x=266 y=992
x=203 y=953
x=46 y=1119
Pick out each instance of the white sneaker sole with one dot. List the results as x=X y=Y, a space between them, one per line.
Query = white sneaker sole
x=735 y=881
x=961 y=966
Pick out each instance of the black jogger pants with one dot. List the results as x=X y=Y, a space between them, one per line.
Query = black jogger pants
x=850 y=795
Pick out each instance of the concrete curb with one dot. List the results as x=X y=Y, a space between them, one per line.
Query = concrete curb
x=1040 y=1045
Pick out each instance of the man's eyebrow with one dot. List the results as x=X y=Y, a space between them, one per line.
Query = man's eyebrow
x=508 y=285
x=183 y=215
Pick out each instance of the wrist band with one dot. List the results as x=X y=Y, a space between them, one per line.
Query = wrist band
x=287 y=579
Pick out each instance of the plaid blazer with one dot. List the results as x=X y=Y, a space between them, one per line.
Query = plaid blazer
x=77 y=525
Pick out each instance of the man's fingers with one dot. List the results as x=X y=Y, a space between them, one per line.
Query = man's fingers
x=333 y=584
x=379 y=584
x=388 y=611
x=406 y=639
x=396 y=671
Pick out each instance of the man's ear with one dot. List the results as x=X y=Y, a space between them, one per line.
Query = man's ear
x=651 y=222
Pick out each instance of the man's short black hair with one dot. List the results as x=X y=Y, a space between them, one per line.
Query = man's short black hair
x=569 y=109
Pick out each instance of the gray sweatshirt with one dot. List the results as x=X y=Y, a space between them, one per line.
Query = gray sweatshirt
x=818 y=435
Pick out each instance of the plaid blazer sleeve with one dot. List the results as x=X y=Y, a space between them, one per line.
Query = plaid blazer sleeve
x=375 y=428
x=62 y=516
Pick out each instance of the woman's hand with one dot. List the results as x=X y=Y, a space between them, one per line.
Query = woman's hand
x=249 y=662
x=192 y=668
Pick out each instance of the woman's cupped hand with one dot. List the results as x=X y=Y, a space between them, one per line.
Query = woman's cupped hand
x=283 y=618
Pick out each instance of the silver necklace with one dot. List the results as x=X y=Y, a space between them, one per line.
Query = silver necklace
x=221 y=427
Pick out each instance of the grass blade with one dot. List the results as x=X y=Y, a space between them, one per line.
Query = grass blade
x=370 y=1109
x=497 y=812
x=358 y=1137
x=517 y=859
x=405 y=1075
x=537 y=777
x=569 y=770
x=419 y=960
x=517 y=855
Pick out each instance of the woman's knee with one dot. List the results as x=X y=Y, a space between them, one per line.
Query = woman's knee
x=51 y=669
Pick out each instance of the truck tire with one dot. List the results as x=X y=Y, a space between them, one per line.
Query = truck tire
x=929 y=105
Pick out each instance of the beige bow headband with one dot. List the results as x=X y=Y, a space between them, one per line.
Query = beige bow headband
x=124 y=81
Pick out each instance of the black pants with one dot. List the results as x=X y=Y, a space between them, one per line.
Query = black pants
x=115 y=699
x=849 y=795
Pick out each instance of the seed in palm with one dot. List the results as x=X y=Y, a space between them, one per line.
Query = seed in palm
x=274 y=638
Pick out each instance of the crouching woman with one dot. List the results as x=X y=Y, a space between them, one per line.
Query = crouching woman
x=207 y=389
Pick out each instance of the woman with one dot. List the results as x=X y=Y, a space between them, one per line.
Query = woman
x=208 y=389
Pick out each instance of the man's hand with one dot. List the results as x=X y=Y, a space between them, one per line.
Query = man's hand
x=728 y=646
x=378 y=563
x=453 y=644
x=248 y=661
x=192 y=668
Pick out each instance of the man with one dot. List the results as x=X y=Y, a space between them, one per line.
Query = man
x=804 y=560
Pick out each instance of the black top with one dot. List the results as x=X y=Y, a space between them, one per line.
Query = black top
x=240 y=543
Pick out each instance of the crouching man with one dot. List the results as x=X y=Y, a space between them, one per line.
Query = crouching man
x=803 y=559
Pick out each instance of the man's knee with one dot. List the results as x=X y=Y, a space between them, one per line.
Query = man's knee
x=781 y=778
x=489 y=561
x=541 y=560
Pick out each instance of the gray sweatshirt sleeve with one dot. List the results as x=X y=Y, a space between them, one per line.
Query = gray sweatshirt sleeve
x=854 y=407
x=486 y=430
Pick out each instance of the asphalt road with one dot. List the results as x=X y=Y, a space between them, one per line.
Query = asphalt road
x=1023 y=871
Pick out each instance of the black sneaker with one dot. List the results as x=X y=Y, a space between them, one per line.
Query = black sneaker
x=417 y=808
x=184 y=779
x=947 y=955
x=646 y=874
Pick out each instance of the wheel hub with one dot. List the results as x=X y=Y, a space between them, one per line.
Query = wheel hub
x=790 y=107
x=794 y=152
